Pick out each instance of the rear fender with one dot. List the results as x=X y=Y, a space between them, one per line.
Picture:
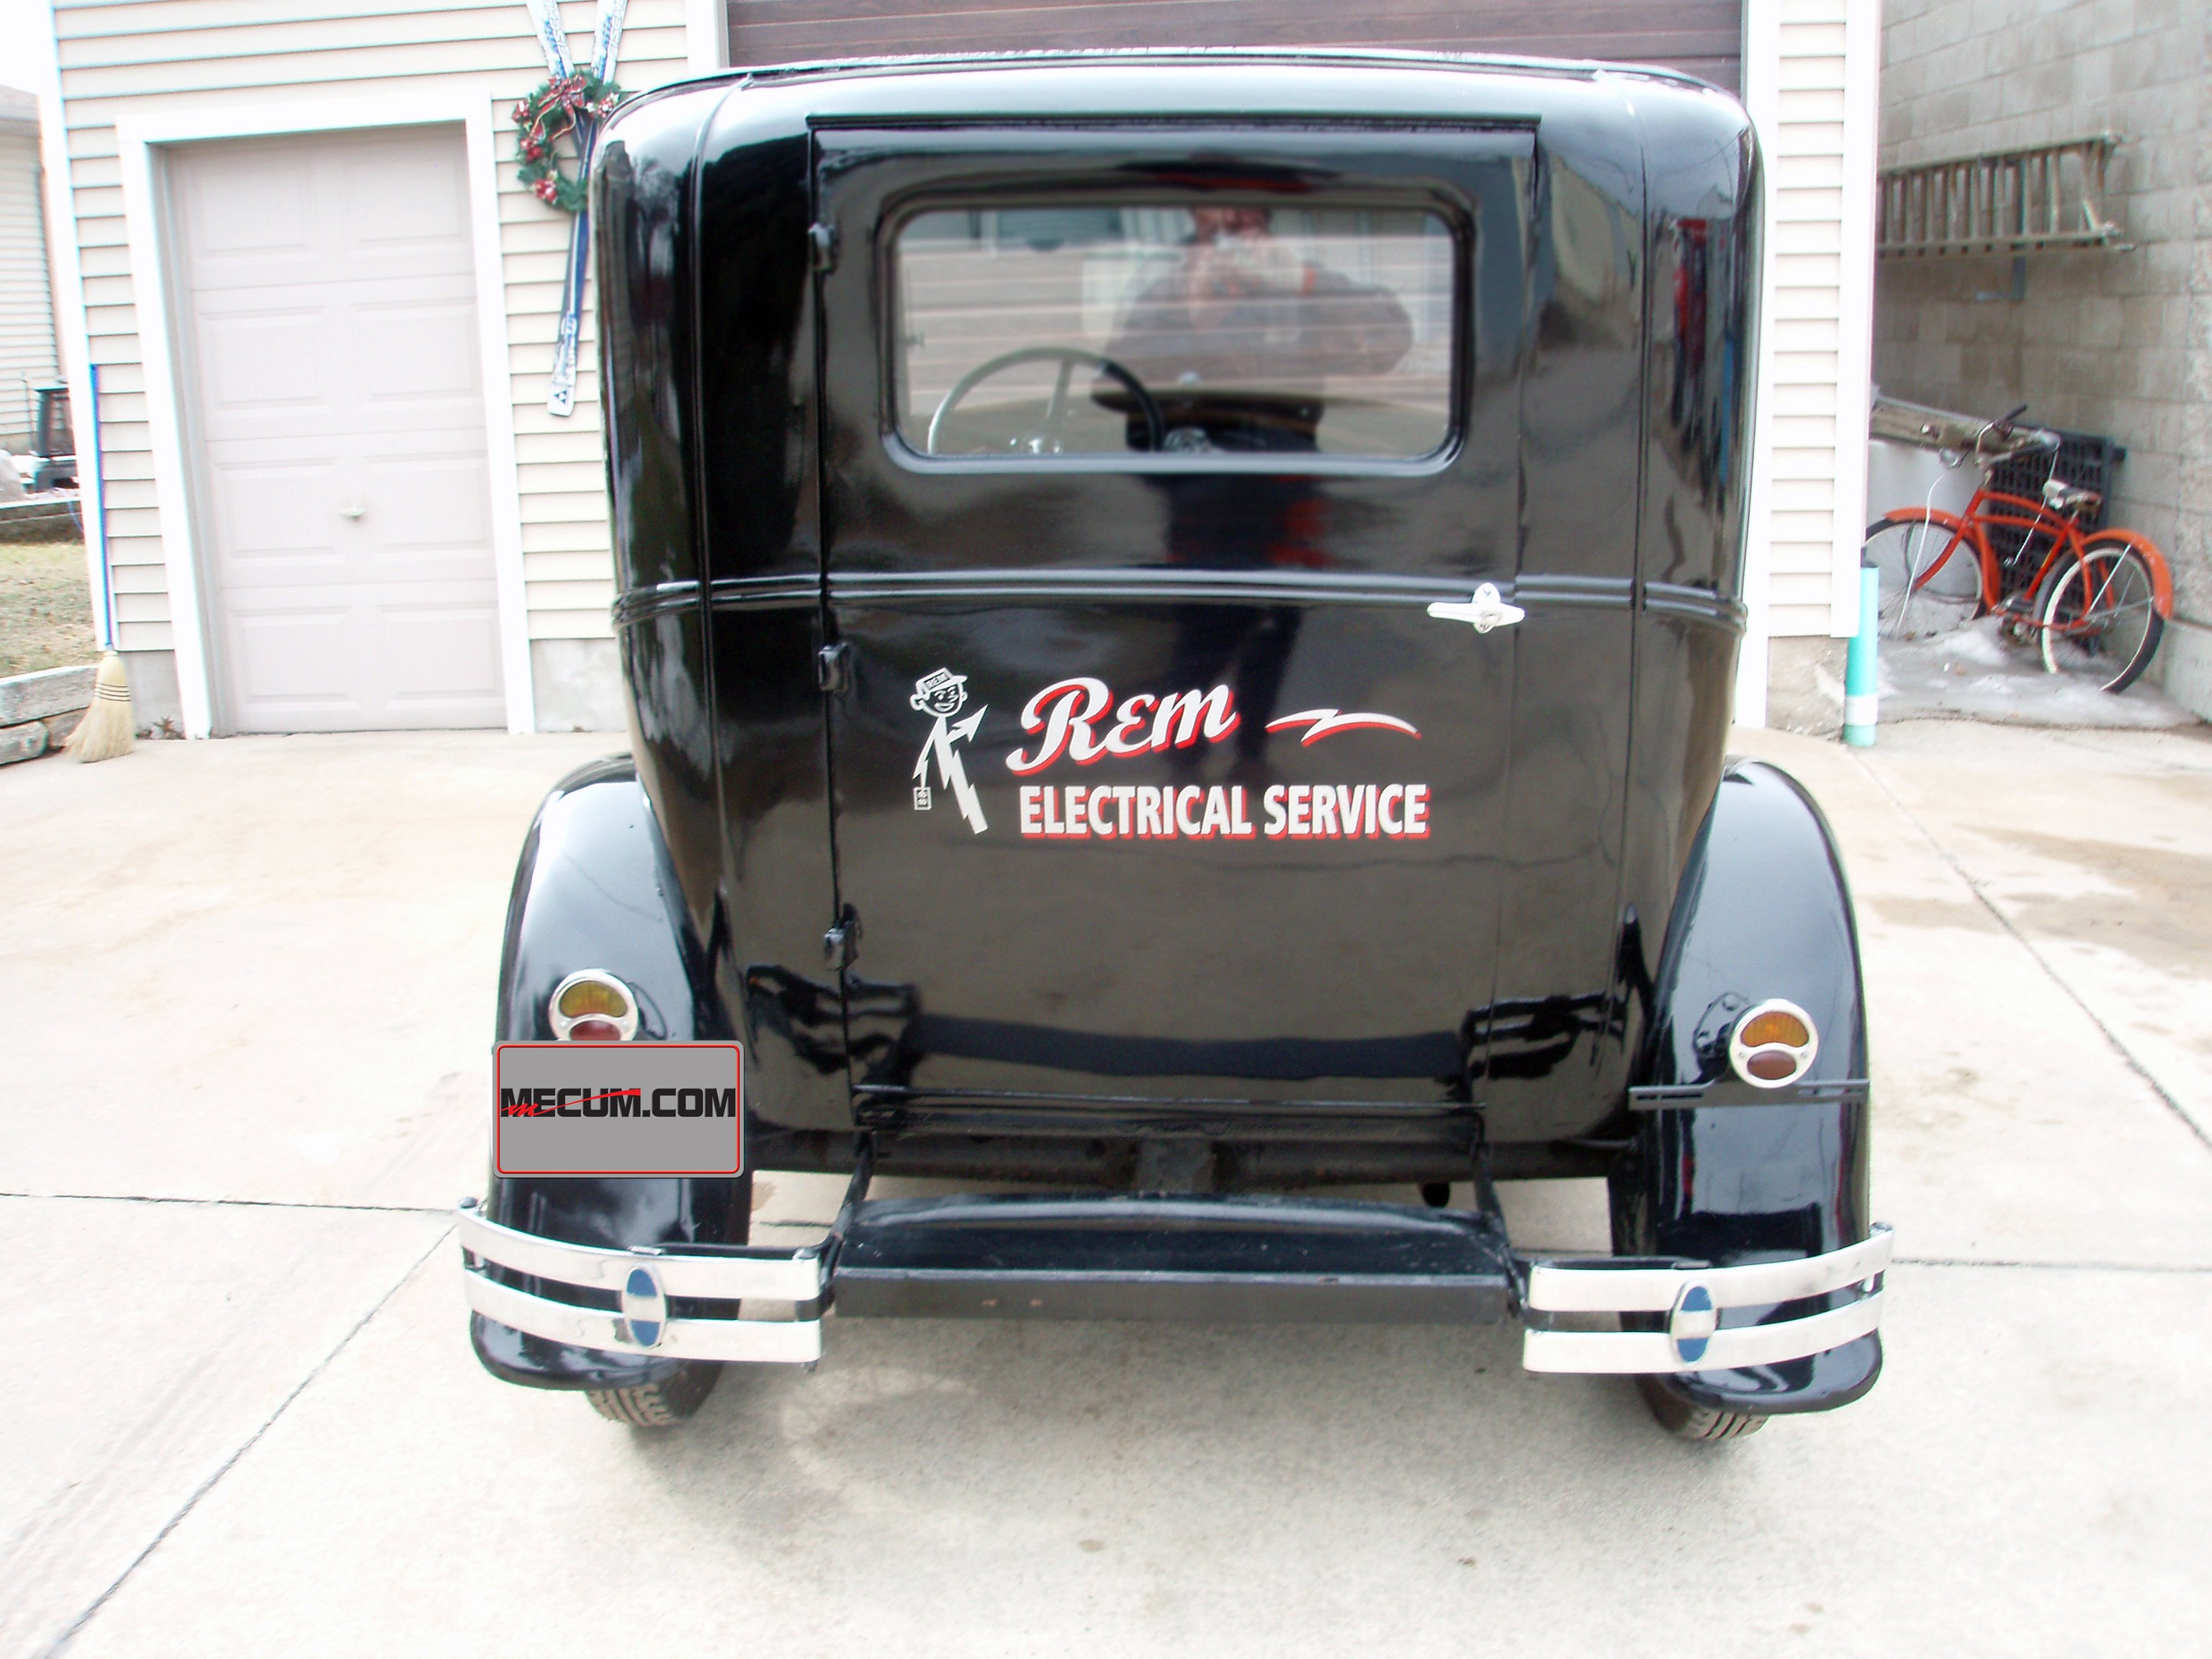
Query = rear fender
x=2161 y=578
x=1762 y=911
x=595 y=889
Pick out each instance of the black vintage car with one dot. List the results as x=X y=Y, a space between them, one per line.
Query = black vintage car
x=1179 y=613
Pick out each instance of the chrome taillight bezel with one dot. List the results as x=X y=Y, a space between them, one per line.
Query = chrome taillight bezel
x=563 y=1024
x=1740 y=1055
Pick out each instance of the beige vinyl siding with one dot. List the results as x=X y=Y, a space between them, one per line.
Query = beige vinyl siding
x=26 y=310
x=1814 y=406
x=120 y=59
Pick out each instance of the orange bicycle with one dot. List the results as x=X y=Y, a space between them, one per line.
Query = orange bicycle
x=2092 y=603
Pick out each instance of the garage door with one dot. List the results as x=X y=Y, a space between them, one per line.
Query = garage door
x=343 y=500
x=1704 y=37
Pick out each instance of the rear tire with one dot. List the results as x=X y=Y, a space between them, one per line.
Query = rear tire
x=1687 y=1422
x=2098 y=617
x=673 y=1398
x=1931 y=576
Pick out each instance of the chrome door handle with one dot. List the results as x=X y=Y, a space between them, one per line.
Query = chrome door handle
x=1484 y=611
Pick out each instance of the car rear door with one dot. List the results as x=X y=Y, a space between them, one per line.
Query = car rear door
x=1170 y=487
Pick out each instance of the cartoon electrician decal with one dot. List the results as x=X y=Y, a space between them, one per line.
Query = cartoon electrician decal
x=944 y=694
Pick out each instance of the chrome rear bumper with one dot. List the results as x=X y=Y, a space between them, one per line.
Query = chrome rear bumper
x=1694 y=1301
x=646 y=1286
x=641 y=1309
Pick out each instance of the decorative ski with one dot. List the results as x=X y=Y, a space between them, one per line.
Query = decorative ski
x=552 y=39
x=606 y=48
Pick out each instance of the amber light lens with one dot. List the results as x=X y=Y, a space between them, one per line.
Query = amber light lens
x=588 y=997
x=595 y=1030
x=1772 y=1028
x=1773 y=1044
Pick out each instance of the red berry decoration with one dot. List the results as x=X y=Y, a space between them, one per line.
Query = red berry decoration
x=551 y=110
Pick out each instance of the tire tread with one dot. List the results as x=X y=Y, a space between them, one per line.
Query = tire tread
x=674 y=1399
x=1700 y=1423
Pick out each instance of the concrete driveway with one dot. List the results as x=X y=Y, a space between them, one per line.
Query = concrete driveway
x=251 y=987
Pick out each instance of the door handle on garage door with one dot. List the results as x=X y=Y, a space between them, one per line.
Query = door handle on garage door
x=1485 y=609
x=352 y=512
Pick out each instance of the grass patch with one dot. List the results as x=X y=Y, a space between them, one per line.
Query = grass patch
x=45 y=607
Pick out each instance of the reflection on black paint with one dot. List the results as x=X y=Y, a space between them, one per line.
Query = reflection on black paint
x=1242 y=524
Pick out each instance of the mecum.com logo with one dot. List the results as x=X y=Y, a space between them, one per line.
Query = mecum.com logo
x=618 y=1109
x=617 y=1102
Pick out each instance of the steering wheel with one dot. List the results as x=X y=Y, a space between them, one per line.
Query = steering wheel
x=1047 y=441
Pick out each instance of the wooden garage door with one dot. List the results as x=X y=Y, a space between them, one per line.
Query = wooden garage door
x=1704 y=37
x=328 y=302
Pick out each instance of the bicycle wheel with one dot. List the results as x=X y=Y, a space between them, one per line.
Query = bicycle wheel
x=2096 y=617
x=1931 y=576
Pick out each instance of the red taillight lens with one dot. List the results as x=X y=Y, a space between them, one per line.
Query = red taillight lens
x=595 y=1030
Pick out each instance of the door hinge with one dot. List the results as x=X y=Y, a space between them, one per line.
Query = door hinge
x=842 y=943
x=822 y=247
x=833 y=668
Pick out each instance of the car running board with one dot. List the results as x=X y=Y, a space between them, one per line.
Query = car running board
x=1199 y=1258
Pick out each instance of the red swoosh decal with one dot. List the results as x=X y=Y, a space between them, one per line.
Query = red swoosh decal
x=520 y=1110
x=1326 y=722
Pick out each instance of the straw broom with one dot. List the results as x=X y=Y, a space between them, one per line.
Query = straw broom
x=106 y=730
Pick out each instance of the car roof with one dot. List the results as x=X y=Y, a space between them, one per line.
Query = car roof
x=1307 y=59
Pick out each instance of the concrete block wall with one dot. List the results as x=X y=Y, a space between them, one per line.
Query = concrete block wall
x=2116 y=343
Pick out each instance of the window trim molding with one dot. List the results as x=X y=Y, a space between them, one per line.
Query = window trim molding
x=1460 y=223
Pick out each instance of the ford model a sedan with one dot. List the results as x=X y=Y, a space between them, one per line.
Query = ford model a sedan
x=1178 y=615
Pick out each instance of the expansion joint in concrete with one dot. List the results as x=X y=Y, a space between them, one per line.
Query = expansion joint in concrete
x=234 y=1203
x=77 y=1624
x=2119 y=1047
x=2182 y=1268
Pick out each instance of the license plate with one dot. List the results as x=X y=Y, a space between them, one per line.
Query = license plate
x=618 y=1109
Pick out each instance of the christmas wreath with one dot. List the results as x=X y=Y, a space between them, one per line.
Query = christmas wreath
x=554 y=109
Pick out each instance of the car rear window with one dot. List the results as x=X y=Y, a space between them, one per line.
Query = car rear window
x=1036 y=332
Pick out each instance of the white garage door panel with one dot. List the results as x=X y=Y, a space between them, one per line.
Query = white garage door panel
x=269 y=363
x=294 y=658
x=359 y=361
x=418 y=196
x=329 y=287
x=276 y=524
x=427 y=506
x=418 y=352
x=249 y=207
x=302 y=663
x=437 y=654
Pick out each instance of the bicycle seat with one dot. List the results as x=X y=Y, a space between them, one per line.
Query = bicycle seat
x=2062 y=497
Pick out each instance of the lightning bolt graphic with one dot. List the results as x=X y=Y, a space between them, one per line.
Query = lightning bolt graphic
x=950 y=768
x=1326 y=722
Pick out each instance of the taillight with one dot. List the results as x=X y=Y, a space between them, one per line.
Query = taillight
x=592 y=1005
x=1773 y=1044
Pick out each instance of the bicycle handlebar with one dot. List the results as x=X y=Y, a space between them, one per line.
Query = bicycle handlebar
x=2001 y=439
x=1954 y=434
